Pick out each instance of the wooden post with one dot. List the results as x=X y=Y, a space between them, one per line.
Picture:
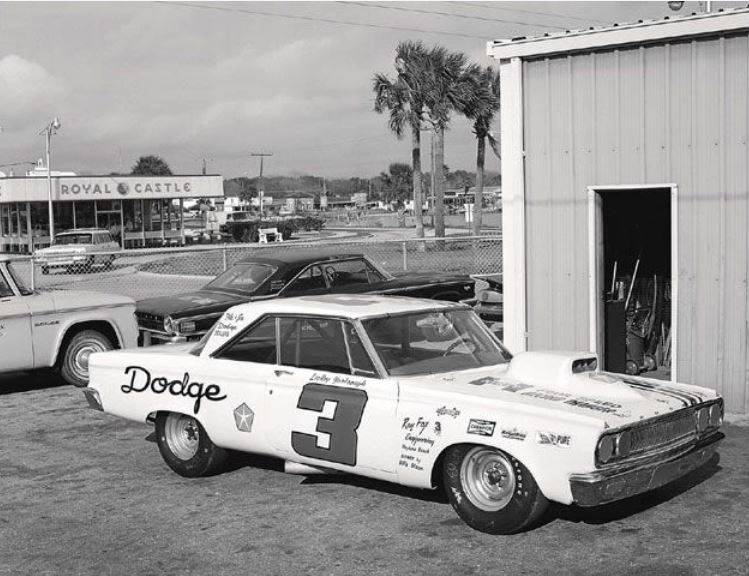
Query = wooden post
x=96 y=214
x=75 y=225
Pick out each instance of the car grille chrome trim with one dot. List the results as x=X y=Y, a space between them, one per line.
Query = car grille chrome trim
x=670 y=429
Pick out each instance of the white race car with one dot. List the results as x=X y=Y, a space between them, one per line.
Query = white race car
x=416 y=392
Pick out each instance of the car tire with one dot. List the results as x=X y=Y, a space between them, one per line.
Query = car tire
x=185 y=446
x=490 y=490
x=74 y=356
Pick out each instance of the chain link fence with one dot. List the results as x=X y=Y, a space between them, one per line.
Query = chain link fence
x=170 y=271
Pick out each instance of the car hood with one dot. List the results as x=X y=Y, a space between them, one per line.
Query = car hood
x=191 y=303
x=603 y=399
x=76 y=299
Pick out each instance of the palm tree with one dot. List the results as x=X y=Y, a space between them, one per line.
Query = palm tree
x=482 y=109
x=402 y=97
x=449 y=84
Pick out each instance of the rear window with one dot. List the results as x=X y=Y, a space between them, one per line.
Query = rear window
x=64 y=239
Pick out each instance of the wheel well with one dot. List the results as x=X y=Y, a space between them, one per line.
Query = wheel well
x=99 y=325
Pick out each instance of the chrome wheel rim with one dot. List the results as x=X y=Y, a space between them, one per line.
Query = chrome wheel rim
x=182 y=435
x=488 y=479
x=81 y=355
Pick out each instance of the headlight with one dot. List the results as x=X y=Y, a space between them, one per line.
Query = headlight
x=169 y=326
x=186 y=326
x=605 y=449
x=623 y=444
x=716 y=415
x=702 y=416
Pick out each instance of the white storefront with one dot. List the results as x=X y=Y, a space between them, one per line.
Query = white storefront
x=139 y=210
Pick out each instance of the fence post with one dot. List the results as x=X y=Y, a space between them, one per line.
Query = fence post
x=405 y=257
x=33 y=273
x=223 y=256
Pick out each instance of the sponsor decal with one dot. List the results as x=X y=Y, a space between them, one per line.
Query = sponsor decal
x=481 y=427
x=451 y=412
x=141 y=380
x=553 y=439
x=243 y=417
x=337 y=379
x=514 y=434
x=417 y=442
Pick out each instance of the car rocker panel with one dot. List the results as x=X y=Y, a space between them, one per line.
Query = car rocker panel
x=549 y=419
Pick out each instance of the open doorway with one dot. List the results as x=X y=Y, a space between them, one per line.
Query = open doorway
x=633 y=278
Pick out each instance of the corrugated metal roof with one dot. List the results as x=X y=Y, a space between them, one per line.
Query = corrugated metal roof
x=694 y=24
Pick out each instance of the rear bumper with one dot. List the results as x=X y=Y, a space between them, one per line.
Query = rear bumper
x=603 y=487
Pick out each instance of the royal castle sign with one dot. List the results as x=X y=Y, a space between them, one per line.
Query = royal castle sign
x=81 y=188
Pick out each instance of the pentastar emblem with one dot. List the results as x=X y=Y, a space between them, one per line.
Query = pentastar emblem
x=243 y=416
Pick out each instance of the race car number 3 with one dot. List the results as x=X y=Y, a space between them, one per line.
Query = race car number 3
x=341 y=427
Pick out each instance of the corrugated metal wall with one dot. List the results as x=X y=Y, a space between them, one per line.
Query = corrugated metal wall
x=664 y=113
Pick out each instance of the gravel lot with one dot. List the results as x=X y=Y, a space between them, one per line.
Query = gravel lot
x=84 y=493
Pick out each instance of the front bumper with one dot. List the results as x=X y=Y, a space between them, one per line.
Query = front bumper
x=151 y=337
x=603 y=487
x=60 y=262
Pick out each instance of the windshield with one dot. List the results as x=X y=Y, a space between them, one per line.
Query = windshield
x=64 y=239
x=17 y=279
x=243 y=277
x=433 y=342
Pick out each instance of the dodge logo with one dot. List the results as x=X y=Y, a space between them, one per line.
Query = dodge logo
x=122 y=188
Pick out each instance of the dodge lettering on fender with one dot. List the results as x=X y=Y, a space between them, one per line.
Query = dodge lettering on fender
x=411 y=391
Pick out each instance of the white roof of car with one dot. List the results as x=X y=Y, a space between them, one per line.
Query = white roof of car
x=82 y=231
x=352 y=306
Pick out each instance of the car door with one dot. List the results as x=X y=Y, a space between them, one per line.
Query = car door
x=15 y=328
x=243 y=367
x=309 y=282
x=331 y=406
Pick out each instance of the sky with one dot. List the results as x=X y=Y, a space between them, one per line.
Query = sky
x=190 y=82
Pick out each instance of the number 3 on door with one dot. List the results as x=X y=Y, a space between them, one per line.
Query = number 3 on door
x=341 y=427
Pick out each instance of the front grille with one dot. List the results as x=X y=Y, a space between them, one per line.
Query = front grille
x=671 y=429
x=150 y=321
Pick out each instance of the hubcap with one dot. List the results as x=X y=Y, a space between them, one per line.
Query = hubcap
x=488 y=479
x=79 y=364
x=182 y=435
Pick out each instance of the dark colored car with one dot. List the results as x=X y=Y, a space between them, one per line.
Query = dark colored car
x=490 y=303
x=188 y=316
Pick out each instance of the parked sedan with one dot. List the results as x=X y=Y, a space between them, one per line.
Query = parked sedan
x=79 y=250
x=59 y=329
x=189 y=316
x=415 y=392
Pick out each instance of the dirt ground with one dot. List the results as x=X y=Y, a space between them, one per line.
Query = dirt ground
x=84 y=493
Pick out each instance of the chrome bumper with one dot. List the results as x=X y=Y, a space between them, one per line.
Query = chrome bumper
x=603 y=487
x=149 y=337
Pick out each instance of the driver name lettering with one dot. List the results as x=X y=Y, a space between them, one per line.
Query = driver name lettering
x=141 y=380
x=419 y=426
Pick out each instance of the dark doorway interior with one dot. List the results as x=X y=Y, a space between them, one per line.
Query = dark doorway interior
x=636 y=226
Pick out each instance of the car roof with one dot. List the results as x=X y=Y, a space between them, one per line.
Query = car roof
x=300 y=257
x=82 y=230
x=351 y=306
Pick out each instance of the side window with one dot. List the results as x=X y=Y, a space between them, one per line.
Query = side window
x=314 y=343
x=105 y=238
x=347 y=273
x=361 y=363
x=310 y=279
x=5 y=290
x=257 y=345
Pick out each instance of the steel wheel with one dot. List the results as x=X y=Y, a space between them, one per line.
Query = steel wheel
x=488 y=479
x=81 y=354
x=77 y=352
x=182 y=435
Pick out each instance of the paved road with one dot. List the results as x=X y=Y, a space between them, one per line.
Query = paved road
x=84 y=493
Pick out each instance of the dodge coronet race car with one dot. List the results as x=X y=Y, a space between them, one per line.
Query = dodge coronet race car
x=411 y=391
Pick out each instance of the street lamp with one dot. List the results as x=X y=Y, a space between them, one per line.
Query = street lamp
x=48 y=130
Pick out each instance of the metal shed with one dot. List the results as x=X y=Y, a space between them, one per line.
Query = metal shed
x=657 y=106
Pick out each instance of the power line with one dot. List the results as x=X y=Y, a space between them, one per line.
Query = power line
x=534 y=12
x=316 y=19
x=448 y=14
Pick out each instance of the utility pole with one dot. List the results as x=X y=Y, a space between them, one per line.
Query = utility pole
x=261 y=191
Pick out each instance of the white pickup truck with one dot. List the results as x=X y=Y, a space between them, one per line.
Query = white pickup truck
x=59 y=329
